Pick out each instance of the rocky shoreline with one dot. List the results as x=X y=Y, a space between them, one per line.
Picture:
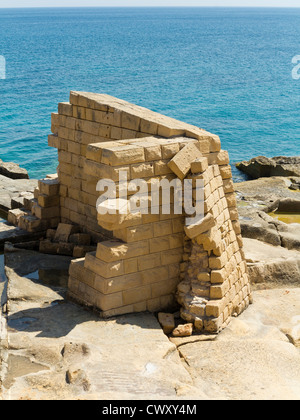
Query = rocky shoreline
x=15 y=188
x=51 y=348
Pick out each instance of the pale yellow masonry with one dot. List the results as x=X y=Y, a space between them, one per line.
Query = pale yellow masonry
x=144 y=262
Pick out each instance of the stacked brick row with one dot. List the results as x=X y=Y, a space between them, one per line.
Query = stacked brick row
x=42 y=212
x=215 y=283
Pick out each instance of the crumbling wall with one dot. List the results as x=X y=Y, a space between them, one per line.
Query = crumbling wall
x=145 y=261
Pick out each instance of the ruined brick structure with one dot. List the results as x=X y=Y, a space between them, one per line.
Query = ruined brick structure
x=144 y=261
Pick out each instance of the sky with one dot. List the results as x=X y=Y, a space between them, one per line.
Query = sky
x=148 y=3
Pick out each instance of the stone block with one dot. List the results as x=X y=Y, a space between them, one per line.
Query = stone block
x=214 y=325
x=218 y=292
x=159 y=244
x=136 y=295
x=80 y=251
x=170 y=149
x=151 y=276
x=48 y=247
x=181 y=163
x=164 y=287
x=142 y=170
x=48 y=201
x=135 y=233
x=217 y=263
x=53 y=141
x=185 y=330
x=163 y=228
x=149 y=261
x=161 y=168
x=148 y=126
x=218 y=276
x=15 y=215
x=106 y=270
x=65 y=248
x=49 y=187
x=214 y=308
x=167 y=322
x=123 y=155
x=207 y=223
x=108 y=302
x=80 y=239
x=65 y=108
x=226 y=172
x=45 y=212
x=199 y=165
x=64 y=231
x=117 y=284
x=130 y=121
x=171 y=256
x=110 y=251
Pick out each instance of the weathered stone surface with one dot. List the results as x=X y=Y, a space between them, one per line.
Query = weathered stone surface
x=167 y=322
x=185 y=330
x=12 y=170
x=63 y=232
x=80 y=239
x=246 y=346
x=181 y=163
x=199 y=165
x=14 y=189
x=261 y=167
x=9 y=233
x=84 y=363
x=207 y=223
x=269 y=195
x=270 y=265
x=196 y=338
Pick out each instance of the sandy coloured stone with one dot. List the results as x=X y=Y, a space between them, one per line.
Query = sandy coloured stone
x=48 y=201
x=199 y=165
x=139 y=294
x=185 y=330
x=49 y=186
x=80 y=239
x=63 y=232
x=167 y=322
x=65 y=108
x=114 y=251
x=135 y=233
x=123 y=155
x=181 y=163
x=45 y=212
x=207 y=223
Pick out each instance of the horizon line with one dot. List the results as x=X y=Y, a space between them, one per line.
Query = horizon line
x=150 y=7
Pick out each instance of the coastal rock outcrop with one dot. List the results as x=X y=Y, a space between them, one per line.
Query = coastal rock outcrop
x=13 y=170
x=264 y=205
x=261 y=167
x=13 y=192
x=270 y=265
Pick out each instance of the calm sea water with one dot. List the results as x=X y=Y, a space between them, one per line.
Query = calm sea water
x=225 y=70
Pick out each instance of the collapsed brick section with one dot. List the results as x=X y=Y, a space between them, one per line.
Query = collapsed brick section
x=215 y=283
x=42 y=212
x=142 y=259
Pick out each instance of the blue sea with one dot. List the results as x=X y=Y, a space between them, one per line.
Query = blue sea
x=223 y=69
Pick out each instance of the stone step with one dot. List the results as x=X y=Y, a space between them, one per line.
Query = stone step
x=32 y=224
